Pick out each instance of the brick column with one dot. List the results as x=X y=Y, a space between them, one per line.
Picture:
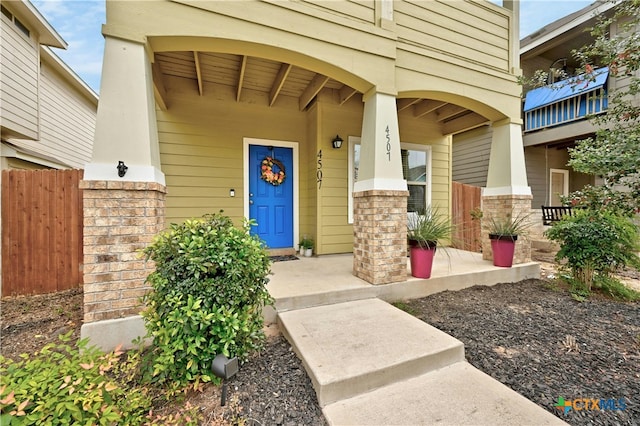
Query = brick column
x=120 y=218
x=499 y=206
x=380 y=236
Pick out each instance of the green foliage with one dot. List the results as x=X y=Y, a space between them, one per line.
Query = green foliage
x=64 y=384
x=510 y=225
x=428 y=228
x=613 y=152
x=209 y=288
x=306 y=242
x=613 y=287
x=595 y=242
x=404 y=306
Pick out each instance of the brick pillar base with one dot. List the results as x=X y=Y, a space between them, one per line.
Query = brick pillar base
x=120 y=218
x=498 y=206
x=380 y=236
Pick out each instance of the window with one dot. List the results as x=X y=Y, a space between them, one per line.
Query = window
x=416 y=170
x=16 y=21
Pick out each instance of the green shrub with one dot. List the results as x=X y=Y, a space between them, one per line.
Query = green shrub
x=209 y=288
x=64 y=384
x=595 y=242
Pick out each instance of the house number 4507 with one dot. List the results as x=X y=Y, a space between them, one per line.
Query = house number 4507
x=388 y=143
x=319 y=170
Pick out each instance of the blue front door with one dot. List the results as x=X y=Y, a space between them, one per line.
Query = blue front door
x=271 y=202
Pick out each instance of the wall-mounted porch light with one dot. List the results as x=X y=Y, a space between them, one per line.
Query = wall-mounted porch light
x=122 y=168
x=337 y=142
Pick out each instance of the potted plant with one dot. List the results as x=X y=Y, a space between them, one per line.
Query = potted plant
x=306 y=247
x=424 y=231
x=503 y=233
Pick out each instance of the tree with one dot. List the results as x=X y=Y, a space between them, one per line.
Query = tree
x=614 y=152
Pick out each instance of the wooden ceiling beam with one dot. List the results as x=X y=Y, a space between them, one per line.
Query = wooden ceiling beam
x=279 y=82
x=449 y=111
x=426 y=106
x=243 y=68
x=159 y=91
x=196 y=58
x=405 y=103
x=346 y=92
x=316 y=84
x=462 y=124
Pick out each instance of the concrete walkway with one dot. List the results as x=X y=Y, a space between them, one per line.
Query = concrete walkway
x=373 y=364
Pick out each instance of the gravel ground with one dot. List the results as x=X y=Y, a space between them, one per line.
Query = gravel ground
x=522 y=334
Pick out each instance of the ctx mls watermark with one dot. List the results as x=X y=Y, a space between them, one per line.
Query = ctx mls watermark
x=591 y=404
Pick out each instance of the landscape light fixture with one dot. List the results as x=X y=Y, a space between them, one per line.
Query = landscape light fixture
x=122 y=168
x=337 y=142
x=225 y=368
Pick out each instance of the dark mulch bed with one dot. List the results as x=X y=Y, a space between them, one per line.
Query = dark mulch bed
x=514 y=332
x=517 y=333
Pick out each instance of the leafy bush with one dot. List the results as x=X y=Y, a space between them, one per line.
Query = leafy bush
x=595 y=242
x=64 y=384
x=209 y=288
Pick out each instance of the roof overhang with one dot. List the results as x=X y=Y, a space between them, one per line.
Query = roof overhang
x=30 y=16
x=570 y=22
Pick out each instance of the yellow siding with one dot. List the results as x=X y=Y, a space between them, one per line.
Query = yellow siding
x=333 y=215
x=360 y=10
x=19 y=89
x=478 y=32
x=201 y=149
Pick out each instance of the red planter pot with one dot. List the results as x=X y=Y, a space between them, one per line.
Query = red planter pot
x=503 y=248
x=422 y=261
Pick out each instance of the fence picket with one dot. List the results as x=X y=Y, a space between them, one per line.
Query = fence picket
x=42 y=223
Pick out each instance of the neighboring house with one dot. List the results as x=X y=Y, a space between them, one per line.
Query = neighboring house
x=196 y=95
x=554 y=117
x=48 y=113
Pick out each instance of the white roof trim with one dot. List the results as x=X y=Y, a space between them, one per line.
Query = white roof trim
x=557 y=28
x=12 y=151
x=31 y=16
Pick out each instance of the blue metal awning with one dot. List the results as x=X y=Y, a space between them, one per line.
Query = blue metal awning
x=565 y=89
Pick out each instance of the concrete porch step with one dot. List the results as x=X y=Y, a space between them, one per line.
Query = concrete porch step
x=355 y=347
x=457 y=394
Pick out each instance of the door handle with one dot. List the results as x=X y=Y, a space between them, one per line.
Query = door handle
x=251 y=194
x=250 y=201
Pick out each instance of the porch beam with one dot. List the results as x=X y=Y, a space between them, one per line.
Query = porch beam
x=317 y=83
x=462 y=124
x=159 y=91
x=426 y=106
x=196 y=59
x=346 y=92
x=448 y=111
x=279 y=82
x=243 y=68
x=405 y=103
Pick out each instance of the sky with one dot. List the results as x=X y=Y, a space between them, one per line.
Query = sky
x=79 y=23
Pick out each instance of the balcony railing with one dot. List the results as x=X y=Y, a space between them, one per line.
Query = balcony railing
x=565 y=102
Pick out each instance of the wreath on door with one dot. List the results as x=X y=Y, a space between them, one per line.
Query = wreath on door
x=269 y=175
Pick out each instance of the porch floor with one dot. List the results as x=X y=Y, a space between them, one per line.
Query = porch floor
x=315 y=281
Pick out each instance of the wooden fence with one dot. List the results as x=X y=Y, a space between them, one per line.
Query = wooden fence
x=41 y=231
x=466 y=201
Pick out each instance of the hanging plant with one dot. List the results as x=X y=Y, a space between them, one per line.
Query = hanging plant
x=269 y=175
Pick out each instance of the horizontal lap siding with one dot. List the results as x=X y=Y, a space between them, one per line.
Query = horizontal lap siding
x=471 y=152
x=67 y=120
x=467 y=30
x=359 y=10
x=201 y=149
x=19 y=89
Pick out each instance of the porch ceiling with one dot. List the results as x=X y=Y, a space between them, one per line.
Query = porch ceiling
x=275 y=80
